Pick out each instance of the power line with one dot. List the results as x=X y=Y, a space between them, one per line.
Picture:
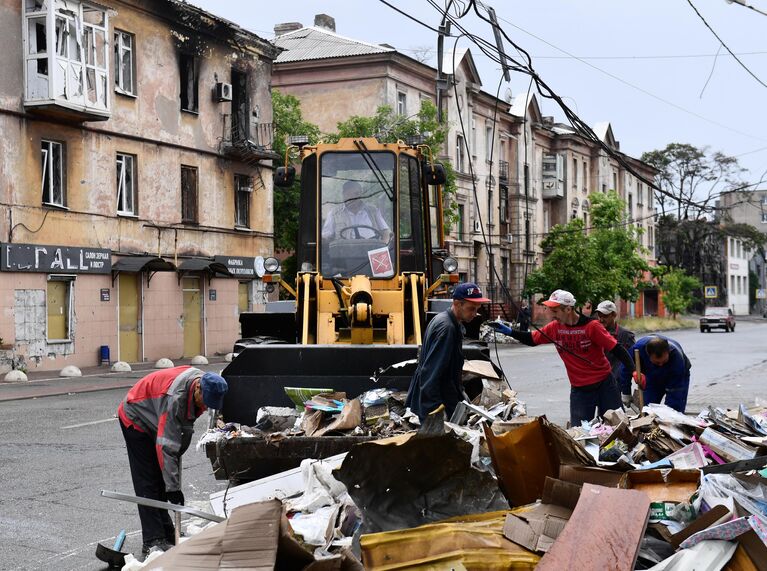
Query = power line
x=721 y=41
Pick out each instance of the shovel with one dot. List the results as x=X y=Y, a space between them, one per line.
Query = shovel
x=639 y=392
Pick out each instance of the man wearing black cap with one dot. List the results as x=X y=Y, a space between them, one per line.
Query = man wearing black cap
x=437 y=380
x=157 y=420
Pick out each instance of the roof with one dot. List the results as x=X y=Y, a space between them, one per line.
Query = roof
x=310 y=43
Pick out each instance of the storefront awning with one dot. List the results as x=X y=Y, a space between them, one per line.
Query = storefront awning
x=202 y=265
x=148 y=264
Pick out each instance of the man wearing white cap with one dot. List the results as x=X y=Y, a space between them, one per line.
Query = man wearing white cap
x=581 y=342
x=607 y=313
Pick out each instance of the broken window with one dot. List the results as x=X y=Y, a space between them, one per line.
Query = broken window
x=189 y=195
x=65 y=53
x=126 y=185
x=125 y=64
x=53 y=173
x=59 y=306
x=243 y=188
x=189 y=83
x=240 y=107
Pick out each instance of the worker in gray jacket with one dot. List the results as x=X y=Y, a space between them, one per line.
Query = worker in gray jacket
x=607 y=313
x=157 y=420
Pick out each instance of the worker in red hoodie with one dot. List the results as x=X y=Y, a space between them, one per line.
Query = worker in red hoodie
x=157 y=420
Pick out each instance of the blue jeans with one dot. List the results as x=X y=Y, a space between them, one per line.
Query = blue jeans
x=601 y=396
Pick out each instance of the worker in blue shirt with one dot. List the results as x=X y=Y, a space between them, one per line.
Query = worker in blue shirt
x=665 y=371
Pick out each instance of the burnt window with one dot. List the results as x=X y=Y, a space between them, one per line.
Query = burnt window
x=189 y=83
x=189 y=195
x=240 y=107
x=243 y=188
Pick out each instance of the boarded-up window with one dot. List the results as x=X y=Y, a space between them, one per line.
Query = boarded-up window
x=189 y=194
x=242 y=191
x=189 y=83
x=58 y=304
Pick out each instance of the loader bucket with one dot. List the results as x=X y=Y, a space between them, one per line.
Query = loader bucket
x=259 y=374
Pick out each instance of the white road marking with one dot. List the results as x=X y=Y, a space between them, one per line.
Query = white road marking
x=89 y=423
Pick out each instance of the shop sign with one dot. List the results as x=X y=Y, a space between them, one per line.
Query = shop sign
x=239 y=266
x=54 y=259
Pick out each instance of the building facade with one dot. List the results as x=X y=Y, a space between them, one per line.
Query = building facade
x=138 y=197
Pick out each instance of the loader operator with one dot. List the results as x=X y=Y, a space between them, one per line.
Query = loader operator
x=157 y=420
x=665 y=371
x=355 y=219
x=437 y=379
x=581 y=343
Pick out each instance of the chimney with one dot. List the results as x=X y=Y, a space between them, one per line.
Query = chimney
x=325 y=21
x=286 y=27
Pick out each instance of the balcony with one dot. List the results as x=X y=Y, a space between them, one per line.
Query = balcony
x=503 y=171
x=247 y=142
x=66 y=72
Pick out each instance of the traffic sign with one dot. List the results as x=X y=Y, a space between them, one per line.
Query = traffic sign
x=711 y=292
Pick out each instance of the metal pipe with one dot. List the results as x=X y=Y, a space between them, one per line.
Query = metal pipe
x=161 y=505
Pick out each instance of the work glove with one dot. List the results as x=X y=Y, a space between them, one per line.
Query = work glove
x=176 y=497
x=640 y=380
x=500 y=327
x=626 y=400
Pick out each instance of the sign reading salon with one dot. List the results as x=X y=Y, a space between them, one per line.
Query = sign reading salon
x=54 y=259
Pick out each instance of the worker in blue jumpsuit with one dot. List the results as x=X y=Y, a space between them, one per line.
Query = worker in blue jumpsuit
x=665 y=371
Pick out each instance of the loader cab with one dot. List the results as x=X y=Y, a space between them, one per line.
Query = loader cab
x=363 y=212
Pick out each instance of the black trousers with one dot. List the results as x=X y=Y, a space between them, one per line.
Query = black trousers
x=602 y=396
x=148 y=483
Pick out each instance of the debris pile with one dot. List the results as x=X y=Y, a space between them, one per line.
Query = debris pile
x=652 y=490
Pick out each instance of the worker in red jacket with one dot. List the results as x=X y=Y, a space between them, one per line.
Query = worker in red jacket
x=157 y=420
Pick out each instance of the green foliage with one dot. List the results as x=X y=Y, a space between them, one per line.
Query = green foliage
x=678 y=288
x=603 y=263
x=288 y=120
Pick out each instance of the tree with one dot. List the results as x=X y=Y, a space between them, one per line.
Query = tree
x=288 y=120
x=678 y=288
x=691 y=178
x=603 y=263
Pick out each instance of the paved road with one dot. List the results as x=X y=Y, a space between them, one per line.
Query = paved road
x=727 y=369
x=58 y=452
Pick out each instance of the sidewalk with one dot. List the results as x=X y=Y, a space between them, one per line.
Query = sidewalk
x=100 y=378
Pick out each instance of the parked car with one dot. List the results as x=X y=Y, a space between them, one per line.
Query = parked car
x=717 y=318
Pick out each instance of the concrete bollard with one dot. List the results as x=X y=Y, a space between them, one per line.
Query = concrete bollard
x=120 y=367
x=199 y=360
x=70 y=371
x=164 y=363
x=16 y=376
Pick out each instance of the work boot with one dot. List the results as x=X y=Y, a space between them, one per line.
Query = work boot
x=161 y=544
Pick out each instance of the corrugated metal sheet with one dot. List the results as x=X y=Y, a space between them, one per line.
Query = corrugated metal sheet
x=315 y=43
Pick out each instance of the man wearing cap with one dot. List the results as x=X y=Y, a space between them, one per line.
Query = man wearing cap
x=665 y=372
x=157 y=420
x=437 y=379
x=607 y=313
x=581 y=343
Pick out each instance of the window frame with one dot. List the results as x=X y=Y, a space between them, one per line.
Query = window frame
x=120 y=179
x=401 y=103
x=120 y=48
x=243 y=185
x=189 y=63
x=460 y=158
x=47 y=168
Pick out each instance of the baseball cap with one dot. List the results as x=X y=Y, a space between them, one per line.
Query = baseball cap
x=560 y=297
x=606 y=307
x=469 y=292
x=214 y=388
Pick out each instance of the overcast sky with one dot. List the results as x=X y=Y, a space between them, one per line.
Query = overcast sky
x=647 y=66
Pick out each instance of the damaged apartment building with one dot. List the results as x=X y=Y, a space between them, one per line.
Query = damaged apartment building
x=135 y=203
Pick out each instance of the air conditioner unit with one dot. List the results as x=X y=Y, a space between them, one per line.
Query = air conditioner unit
x=223 y=92
x=477 y=227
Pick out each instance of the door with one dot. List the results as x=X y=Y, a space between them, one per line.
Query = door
x=192 y=316
x=129 y=312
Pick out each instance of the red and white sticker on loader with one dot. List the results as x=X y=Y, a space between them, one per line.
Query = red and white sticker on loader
x=380 y=263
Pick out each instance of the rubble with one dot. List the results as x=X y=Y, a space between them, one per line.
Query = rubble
x=493 y=488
